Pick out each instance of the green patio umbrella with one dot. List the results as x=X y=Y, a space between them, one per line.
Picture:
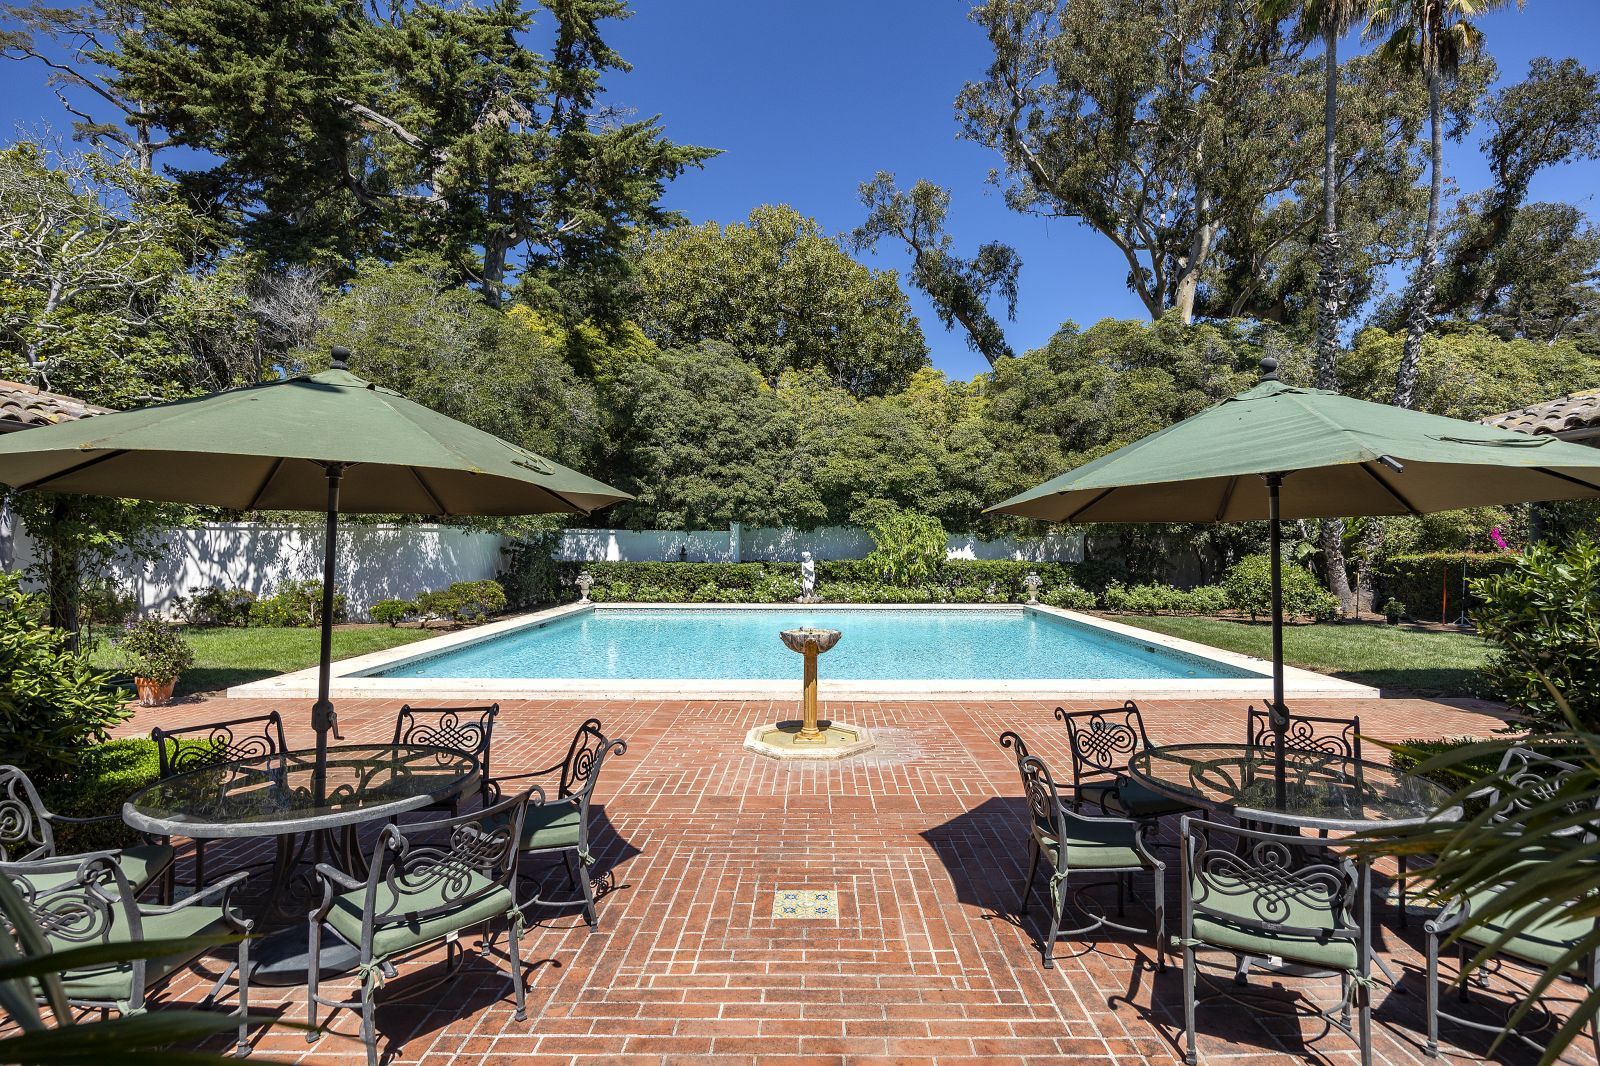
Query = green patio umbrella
x=327 y=442
x=1278 y=451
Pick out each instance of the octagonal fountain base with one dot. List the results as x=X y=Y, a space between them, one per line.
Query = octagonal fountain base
x=777 y=740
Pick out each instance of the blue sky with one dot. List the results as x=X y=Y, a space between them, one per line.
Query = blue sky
x=808 y=99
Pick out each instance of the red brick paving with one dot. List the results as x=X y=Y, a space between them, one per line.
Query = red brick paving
x=927 y=963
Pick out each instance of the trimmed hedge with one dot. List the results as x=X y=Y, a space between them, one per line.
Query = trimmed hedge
x=105 y=776
x=843 y=580
x=1420 y=581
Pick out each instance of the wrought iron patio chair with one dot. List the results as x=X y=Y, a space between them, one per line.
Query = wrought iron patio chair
x=1102 y=742
x=1525 y=779
x=427 y=883
x=199 y=747
x=85 y=901
x=1068 y=843
x=560 y=825
x=465 y=729
x=1270 y=896
x=1307 y=736
x=27 y=834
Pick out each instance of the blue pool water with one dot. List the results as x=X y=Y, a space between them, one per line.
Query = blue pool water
x=877 y=645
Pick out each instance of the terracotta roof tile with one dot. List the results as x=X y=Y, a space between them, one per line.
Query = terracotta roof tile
x=24 y=405
x=1566 y=414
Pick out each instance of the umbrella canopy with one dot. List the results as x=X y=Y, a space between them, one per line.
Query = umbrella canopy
x=1279 y=452
x=327 y=442
x=1342 y=457
x=266 y=447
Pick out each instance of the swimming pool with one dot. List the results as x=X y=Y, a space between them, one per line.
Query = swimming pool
x=878 y=644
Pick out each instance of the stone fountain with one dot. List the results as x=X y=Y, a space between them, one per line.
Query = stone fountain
x=809 y=738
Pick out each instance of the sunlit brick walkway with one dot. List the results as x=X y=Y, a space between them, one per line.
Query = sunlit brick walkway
x=927 y=962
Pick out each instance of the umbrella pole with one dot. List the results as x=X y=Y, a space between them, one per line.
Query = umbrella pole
x=323 y=719
x=1280 y=713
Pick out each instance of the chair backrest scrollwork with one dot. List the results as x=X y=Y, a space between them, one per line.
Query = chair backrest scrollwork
x=464 y=729
x=1045 y=812
x=1264 y=880
x=200 y=747
x=77 y=901
x=1307 y=735
x=422 y=870
x=1529 y=779
x=25 y=831
x=586 y=755
x=1102 y=742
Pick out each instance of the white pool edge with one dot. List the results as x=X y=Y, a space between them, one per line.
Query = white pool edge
x=351 y=680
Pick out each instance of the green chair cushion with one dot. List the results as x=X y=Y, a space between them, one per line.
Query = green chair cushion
x=144 y=863
x=114 y=983
x=140 y=865
x=551 y=825
x=1097 y=844
x=1323 y=950
x=402 y=932
x=1543 y=942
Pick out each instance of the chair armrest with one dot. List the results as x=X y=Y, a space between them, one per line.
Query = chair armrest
x=531 y=773
x=67 y=819
x=338 y=876
x=221 y=889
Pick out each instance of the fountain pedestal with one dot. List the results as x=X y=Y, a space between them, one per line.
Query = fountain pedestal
x=809 y=738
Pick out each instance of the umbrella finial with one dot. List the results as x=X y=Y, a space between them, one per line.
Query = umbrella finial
x=341 y=356
x=1269 y=369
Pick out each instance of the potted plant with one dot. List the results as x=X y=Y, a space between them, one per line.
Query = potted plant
x=1393 y=609
x=155 y=653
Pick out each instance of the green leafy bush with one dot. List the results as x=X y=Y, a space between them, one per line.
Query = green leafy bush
x=104 y=602
x=392 y=612
x=464 y=601
x=295 y=604
x=1249 y=590
x=1068 y=597
x=1543 y=611
x=216 y=605
x=780 y=582
x=908 y=547
x=153 y=649
x=1165 y=599
x=52 y=705
x=1422 y=581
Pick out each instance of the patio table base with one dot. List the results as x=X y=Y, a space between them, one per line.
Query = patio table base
x=281 y=957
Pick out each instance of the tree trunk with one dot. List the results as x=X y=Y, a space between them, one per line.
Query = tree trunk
x=1329 y=287
x=1419 y=301
x=63 y=577
x=1330 y=291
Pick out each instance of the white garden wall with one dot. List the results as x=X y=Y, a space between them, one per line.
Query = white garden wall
x=378 y=562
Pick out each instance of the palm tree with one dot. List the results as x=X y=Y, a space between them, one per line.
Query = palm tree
x=1436 y=37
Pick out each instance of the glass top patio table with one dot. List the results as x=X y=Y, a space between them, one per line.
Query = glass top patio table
x=1322 y=790
x=272 y=795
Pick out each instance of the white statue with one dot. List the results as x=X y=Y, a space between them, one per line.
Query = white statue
x=808 y=578
x=1032 y=583
x=584 y=583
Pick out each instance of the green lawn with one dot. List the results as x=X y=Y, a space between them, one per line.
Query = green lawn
x=224 y=657
x=1394 y=658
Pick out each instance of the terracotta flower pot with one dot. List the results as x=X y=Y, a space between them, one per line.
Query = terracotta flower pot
x=153 y=693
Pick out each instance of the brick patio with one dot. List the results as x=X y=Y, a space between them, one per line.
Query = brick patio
x=926 y=961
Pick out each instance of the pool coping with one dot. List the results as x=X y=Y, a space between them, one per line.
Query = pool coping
x=352 y=680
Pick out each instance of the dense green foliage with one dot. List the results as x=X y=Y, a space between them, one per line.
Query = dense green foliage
x=217 y=605
x=392 y=612
x=295 y=603
x=52 y=703
x=1153 y=598
x=461 y=602
x=1249 y=590
x=154 y=650
x=782 y=296
x=907 y=547
x=105 y=775
x=1543 y=613
x=1429 y=584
